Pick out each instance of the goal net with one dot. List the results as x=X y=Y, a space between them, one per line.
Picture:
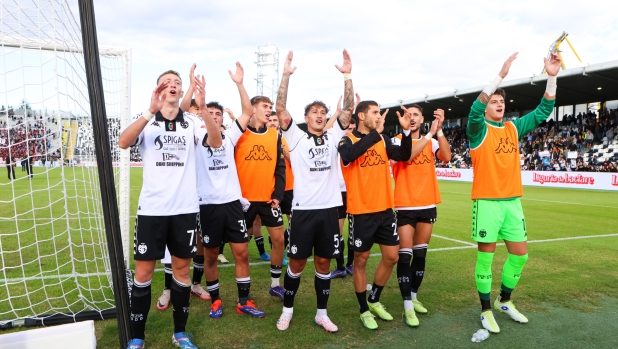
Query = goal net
x=54 y=263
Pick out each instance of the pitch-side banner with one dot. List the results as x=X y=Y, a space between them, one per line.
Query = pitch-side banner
x=581 y=180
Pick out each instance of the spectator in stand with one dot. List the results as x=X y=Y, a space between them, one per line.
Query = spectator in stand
x=610 y=133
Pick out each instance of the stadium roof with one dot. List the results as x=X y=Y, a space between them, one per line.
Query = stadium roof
x=575 y=86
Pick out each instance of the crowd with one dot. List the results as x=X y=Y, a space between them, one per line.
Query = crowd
x=26 y=139
x=566 y=145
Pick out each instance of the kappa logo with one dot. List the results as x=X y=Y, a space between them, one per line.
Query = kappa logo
x=294 y=249
x=505 y=146
x=258 y=153
x=142 y=248
x=372 y=158
x=167 y=156
x=421 y=159
x=336 y=251
x=194 y=249
x=358 y=243
x=155 y=123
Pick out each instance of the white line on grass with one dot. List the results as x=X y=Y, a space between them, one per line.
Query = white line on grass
x=454 y=240
x=310 y=259
x=552 y=201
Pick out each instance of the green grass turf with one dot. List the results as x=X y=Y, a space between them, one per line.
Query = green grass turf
x=568 y=289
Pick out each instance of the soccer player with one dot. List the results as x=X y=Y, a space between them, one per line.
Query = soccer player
x=221 y=213
x=10 y=165
x=314 y=225
x=167 y=212
x=416 y=197
x=365 y=154
x=261 y=173
x=496 y=187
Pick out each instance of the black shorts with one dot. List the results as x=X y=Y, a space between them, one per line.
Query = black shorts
x=286 y=204
x=314 y=231
x=343 y=208
x=271 y=217
x=153 y=233
x=427 y=215
x=222 y=223
x=367 y=229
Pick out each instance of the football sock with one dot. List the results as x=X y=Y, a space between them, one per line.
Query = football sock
x=511 y=272
x=198 y=269
x=340 y=258
x=419 y=252
x=180 y=304
x=322 y=289
x=244 y=286
x=213 y=288
x=168 y=276
x=403 y=272
x=275 y=275
x=362 y=301
x=291 y=282
x=374 y=296
x=140 y=305
x=221 y=248
x=483 y=277
x=259 y=242
x=350 y=255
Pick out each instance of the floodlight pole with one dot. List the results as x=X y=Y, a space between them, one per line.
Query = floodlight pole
x=105 y=169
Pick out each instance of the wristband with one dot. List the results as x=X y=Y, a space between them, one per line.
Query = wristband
x=440 y=133
x=147 y=115
x=428 y=136
x=347 y=77
x=552 y=85
x=491 y=88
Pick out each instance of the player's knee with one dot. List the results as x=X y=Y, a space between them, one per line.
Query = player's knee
x=360 y=261
x=242 y=255
x=210 y=258
x=390 y=259
x=518 y=261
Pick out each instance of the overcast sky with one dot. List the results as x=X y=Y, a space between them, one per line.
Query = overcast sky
x=399 y=49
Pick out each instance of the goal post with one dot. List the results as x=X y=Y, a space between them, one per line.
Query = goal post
x=54 y=261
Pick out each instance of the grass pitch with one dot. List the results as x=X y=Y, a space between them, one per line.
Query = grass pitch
x=568 y=288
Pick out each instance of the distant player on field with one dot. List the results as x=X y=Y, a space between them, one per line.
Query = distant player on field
x=496 y=188
x=167 y=212
x=365 y=154
x=416 y=197
x=314 y=221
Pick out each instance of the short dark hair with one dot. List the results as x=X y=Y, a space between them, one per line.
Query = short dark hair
x=194 y=103
x=315 y=104
x=363 y=107
x=259 y=99
x=169 y=72
x=417 y=107
x=215 y=105
x=352 y=121
x=499 y=92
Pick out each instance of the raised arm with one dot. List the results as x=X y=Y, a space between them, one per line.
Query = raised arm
x=333 y=118
x=130 y=134
x=282 y=96
x=532 y=120
x=185 y=105
x=348 y=90
x=476 y=119
x=444 y=150
x=214 y=139
x=247 y=110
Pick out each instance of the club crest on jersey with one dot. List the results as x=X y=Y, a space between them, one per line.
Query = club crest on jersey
x=294 y=249
x=142 y=248
x=372 y=158
x=483 y=233
x=184 y=124
x=505 y=146
x=258 y=153
x=170 y=126
x=358 y=242
x=206 y=239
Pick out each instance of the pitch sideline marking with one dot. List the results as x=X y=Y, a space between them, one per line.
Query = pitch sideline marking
x=454 y=240
x=552 y=201
x=311 y=259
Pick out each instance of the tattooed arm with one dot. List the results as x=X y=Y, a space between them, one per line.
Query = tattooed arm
x=282 y=96
x=348 y=92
